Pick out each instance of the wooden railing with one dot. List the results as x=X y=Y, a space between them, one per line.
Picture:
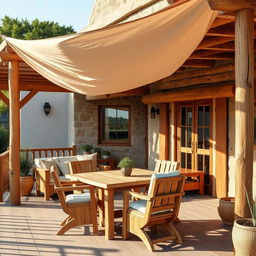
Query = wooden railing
x=4 y=174
x=33 y=153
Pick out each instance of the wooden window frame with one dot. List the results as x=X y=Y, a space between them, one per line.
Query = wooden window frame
x=100 y=127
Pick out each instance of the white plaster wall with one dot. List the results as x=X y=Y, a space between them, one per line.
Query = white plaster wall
x=153 y=139
x=231 y=150
x=39 y=130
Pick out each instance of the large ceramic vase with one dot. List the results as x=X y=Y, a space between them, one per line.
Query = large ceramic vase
x=226 y=209
x=244 y=238
x=26 y=185
x=126 y=171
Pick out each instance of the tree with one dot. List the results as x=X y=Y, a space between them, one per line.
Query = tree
x=23 y=29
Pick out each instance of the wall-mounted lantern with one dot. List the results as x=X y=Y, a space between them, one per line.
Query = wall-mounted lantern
x=47 y=108
x=154 y=111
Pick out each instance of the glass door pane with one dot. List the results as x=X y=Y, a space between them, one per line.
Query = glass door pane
x=186 y=122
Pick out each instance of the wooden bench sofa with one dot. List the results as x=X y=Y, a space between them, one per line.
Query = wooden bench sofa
x=44 y=183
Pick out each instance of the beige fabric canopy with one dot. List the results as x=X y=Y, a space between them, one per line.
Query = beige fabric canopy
x=121 y=57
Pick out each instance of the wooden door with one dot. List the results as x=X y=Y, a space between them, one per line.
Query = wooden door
x=194 y=133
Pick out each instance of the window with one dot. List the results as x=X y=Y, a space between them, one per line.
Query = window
x=114 y=125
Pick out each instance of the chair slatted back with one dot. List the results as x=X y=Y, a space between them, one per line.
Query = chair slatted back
x=57 y=183
x=163 y=166
x=166 y=194
x=83 y=166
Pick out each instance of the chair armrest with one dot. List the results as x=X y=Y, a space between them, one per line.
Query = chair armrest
x=41 y=169
x=137 y=195
x=71 y=188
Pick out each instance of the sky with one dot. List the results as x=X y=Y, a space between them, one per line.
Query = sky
x=66 y=12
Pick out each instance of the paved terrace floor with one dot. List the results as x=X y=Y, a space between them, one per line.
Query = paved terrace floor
x=30 y=229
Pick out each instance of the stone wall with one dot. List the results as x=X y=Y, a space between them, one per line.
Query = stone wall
x=231 y=151
x=86 y=126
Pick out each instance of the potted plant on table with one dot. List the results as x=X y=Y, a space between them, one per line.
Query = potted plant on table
x=244 y=232
x=86 y=148
x=26 y=177
x=126 y=165
x=105 y=154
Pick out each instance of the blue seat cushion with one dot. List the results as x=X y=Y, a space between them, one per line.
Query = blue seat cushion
x=78 y=198
x=139 y=205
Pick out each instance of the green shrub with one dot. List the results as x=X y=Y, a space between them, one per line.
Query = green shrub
x=25 y=165
x=4 y=139
x=86 y=147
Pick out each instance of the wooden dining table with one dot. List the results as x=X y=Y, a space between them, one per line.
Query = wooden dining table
x=107 y=182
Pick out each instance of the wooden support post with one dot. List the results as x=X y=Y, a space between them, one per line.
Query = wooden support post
x=164 y=132
x=14 y=157
x=244 y=108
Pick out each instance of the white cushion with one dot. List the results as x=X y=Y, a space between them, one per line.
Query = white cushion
x=87 y=157
x=63 y=163
x=160 y=176
x=139 y=205
x=48 y=163
x=78 y=198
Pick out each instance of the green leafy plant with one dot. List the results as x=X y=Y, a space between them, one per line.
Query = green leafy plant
x=106 y=153
x=86 y=147
x=126 y=162
x=96 y=150
x=4 y=139
x=25 y=165
x=252 y=207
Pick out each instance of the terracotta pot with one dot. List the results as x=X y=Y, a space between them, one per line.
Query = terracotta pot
x=26 y=185
x=126 y=171
x=226 y=210
x=244 y=238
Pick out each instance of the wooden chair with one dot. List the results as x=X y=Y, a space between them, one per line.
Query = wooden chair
x=163 y=166
x=193 y=180
x=81 y=208
x=157 y=210
x=86 y=166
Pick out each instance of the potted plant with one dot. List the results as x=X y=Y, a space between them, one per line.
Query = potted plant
x=105 y=154
x=244 y=232
x=96 y=150
x=26 y=177
x=126 y=165
x=86 y=148
x=226 y=210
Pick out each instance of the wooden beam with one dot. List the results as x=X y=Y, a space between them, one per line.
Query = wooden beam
x=201 y=79
x=231 y=5
x=196 y=93
x=7 y=56
x=198 y=63
x=221 y=147
x=4 y=98
x=28 y=97
x=222 y=31
x=164 y=131
x=244 y=109
x=220 y=21
x=208 y=42
x=14 y=144
x=221 y=56
x=200 y=72
x=33 y=86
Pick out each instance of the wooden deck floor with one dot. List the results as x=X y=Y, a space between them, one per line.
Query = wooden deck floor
x=29 y=229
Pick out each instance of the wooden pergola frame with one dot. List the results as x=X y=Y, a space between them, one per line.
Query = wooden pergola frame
x=221 y=43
